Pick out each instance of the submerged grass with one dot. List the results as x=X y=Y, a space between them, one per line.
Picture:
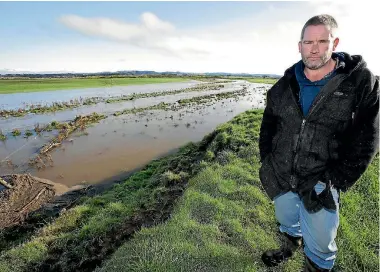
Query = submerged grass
x=28 y=133
x=198 y=100
x=263 y=80
x=198 y=88
x=56 y=106
x=66 y=128
x=3 y=137
x=51 y=84
x=75 y=103
x=222 y=222
x=16 y=132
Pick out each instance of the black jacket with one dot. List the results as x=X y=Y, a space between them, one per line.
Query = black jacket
x=334 y=143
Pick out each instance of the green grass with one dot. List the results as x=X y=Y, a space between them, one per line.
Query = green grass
x=16 y=132
x=51 y=84
x=359 y=224
x=256 y=79
x=3 y=137
x=28 y=133
x=262 y=80
x=222 y=222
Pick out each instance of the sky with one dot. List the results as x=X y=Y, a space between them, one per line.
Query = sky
x=233 y=37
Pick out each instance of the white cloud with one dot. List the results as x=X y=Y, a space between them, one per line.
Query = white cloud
x=152 y=33
x=266 y=42
x=151 y=26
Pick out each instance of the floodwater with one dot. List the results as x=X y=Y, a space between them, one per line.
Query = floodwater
x=20 y=100
x=118 y=145
x=29 y=121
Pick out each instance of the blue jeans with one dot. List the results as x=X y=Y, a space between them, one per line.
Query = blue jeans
x=318 y=229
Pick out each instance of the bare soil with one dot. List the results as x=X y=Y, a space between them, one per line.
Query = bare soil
x=27 y=194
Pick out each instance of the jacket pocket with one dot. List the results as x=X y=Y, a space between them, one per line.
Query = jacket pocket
x=342 y=104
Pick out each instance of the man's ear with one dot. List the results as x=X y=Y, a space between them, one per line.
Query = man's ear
x=299 y=47
x=335 y=44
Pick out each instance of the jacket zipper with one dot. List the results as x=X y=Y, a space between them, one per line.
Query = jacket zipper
x=292 y=175
x=295 y=159
x=304 y=119
x=298 y=141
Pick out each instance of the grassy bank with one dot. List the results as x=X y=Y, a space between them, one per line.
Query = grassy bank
x=222 y=219
x=52 y=84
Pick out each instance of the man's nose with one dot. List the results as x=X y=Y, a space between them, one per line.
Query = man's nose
x=315 y=48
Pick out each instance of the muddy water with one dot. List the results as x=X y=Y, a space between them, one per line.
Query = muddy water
x=121 y=144
x=20 y=100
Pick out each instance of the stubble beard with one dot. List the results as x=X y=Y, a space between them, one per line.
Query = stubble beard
x=315 y=65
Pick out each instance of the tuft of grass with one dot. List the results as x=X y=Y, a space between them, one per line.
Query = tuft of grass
x=28 y=133
x=3 y=137
x=16 y=132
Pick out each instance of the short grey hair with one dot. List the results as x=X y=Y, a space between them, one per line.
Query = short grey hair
x=323 y=19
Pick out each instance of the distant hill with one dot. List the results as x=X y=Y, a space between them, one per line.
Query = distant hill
x=59 y=74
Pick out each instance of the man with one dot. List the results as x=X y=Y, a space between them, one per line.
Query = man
x=318 y=135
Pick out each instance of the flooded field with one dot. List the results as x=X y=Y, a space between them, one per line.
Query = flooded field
x=128 y=135
x=18 y=100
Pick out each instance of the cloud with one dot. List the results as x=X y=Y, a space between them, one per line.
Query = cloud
x=150 y=33
x=150 y=26
x=265 y=42
x=226 y=44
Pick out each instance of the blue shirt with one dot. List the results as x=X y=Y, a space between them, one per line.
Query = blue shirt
x=310 y=89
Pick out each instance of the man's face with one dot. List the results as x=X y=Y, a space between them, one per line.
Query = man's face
x=317 y=46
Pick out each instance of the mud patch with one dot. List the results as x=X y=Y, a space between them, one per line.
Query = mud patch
x=65 y=198
x=27 y=194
